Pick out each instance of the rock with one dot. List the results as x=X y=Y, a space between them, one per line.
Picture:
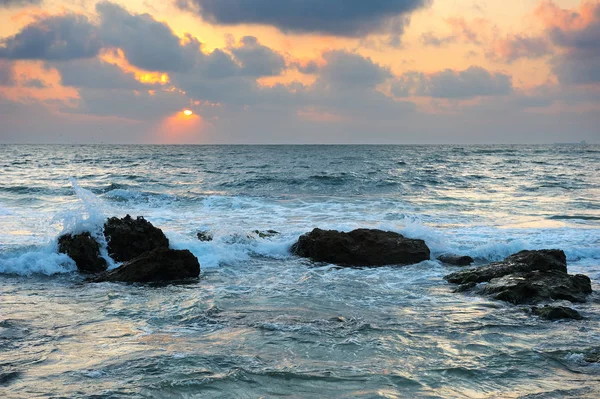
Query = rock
x=159 y=265
x=592 y=357
x=536 y=286
x=524 y=261
x=361 y=247
x=84 y=250
x=456 y=260
x=266 y=234
x=128 y=238
x=465 y=287
x=556 y=313
x=205 y=236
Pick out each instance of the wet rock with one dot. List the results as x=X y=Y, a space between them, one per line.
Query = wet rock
x=465 y=287
x=84 y=250
x=361 y=247
x=128 y=238
x=592 y=357
x=556 y=313
x=205 y=236
x=266 y=234
x=536 y=286
x=159 y=265
x=456 y=260
x=524 y=261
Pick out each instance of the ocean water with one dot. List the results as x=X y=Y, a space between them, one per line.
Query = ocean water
x=261 y=323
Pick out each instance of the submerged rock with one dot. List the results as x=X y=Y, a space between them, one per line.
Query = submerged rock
x=593 y=357
x=204 y=236
x=361 y=247
x=266 y=234
x=84 y=250
x=524 y=261
x=536 y=286
x=159 y=265
x=456 y=260
x=556 y=313
x=128 y=238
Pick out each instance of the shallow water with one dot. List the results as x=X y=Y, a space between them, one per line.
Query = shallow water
x=262 y=323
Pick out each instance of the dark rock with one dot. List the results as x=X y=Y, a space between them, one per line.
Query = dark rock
x=84 y=250
x=536 y=286
x=456 y=260
x=556 y=313
x=465 y=287
x=524 y=261
x=266 y=234
x=361 y=247
x=592 y=357
x=128 y=238
x=205 y=236
x=159 y=265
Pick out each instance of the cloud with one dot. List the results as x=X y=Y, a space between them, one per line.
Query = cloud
x=350 y=18
x=56 y=38
x=96 y=74
x=349 y=70
x=450 y=84
x=147 y=43
x=7 y=76
x=18 y=3
x=518 y=46
x=577 y=36
x=256 y=59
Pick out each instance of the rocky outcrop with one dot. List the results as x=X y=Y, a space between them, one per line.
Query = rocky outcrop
x=128 y=238
x=204 y=236
x=525 y=277
x=361 y=247
x=556 y=313
x=539 y=286
x=456 y=260
x=524 y=261
x=159 y=265
x=84 y=250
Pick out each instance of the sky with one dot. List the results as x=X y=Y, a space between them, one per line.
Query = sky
x=299 y=71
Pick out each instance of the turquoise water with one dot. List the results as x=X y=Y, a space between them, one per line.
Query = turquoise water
x=263 y=323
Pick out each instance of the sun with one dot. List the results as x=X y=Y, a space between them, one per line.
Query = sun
x=188 y=112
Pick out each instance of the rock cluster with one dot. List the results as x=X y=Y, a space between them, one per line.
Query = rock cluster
x=528 y=277
x=143 y=247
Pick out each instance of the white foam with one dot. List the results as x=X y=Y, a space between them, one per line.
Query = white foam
x=36 y=261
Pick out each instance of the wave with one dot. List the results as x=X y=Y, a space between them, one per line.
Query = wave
x=574 y=217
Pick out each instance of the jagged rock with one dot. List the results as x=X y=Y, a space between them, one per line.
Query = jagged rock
x=592 y=357
x=266 y=234
x=128 y=238
x=84 y=250
x=556 y=313
x=456 y=260
x=524 y=261
x=536 y=286
x=205 y=236
x=159 y=265
x=361 y=247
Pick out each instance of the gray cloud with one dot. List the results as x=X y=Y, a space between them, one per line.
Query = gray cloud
x=57 y=38
x=520 y=46
x=472 y=82
x=349 y=70
x=352 y=18
x=579 y=62
x=147 y=43
x=256 y=59
x=7 y=76
x=18 y=3
x=96 y=74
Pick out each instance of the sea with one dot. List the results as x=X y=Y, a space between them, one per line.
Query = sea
x=263 y=323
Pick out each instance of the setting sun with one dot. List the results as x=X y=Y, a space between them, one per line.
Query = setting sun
x=188 y=112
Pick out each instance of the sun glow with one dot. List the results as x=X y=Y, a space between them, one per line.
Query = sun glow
x=188 y=112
